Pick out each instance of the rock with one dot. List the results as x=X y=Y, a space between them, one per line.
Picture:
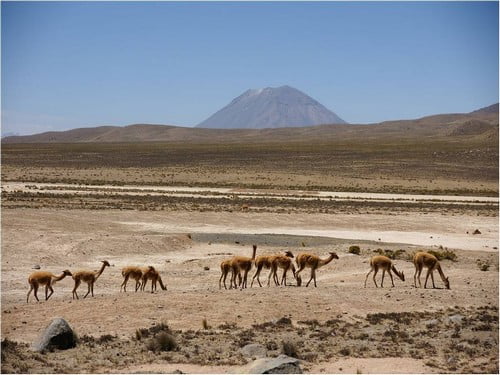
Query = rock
x=206 y=268
x=57 y=335
x=477 y=231
x=36 y=267
x=431 y=323
x=279 y=365
x=457 y=318
x=253 y=351
x=451 y=360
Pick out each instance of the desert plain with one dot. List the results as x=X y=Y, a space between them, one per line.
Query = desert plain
x=185 y=207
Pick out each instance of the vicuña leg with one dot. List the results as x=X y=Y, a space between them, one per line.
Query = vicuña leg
x=257 y=275
x=313 y=276
x=368 y=274
x=124 y=284
x=429 y=272
x=418 y=277
x=77 y=284
x=375 y=274
x=33 y=287
x=47 y=288
x=390 y=274
x=88 y=291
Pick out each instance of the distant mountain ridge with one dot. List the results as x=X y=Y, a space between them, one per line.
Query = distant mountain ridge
x=481 y=123
x=271 y=107
x=485 y=110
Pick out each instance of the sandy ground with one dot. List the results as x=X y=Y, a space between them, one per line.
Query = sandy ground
x=187 y=249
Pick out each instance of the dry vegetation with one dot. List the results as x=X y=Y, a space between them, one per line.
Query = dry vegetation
x=467 y=336
x=195 y=323
x=97 y=200
x=462 y=165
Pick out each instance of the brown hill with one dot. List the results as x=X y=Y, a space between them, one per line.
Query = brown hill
x=492 y=109
x=481 y=123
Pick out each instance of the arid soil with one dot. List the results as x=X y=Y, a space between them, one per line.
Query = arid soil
x=185 y=204
x=431 y=164
x=339 y=326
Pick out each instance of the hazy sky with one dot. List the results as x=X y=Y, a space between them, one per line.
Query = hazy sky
x=67 y=65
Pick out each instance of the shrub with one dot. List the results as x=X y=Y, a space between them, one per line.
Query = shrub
x=288 y=348
x=105 y=338
x=391 y=254
x=483 y=265
x=146 y=332
x=271 y=345
x=444 y=254
x=345 y=351
x=354 y=249
x=7 y=346
x=162 y=342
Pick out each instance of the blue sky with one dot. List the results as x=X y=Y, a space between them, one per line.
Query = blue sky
x=75 y=64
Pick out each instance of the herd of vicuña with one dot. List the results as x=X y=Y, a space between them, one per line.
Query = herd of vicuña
x=141 y=275
x=239 y=264
x=239 y=267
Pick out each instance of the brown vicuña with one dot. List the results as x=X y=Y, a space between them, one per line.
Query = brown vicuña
x=225 y=267
x=44 y=278
x=423 y=259
x=313 y=262
x=285 y=263
x=382 y=262
x=242 y=264
x=89 y=277
x=153 y=275
x=135 y=273
x=262 y=261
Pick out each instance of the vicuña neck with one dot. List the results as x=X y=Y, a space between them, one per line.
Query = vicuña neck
x=100 y=271
x=58 y=278
x=327 y=260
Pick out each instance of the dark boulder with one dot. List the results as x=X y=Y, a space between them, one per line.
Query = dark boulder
x=57 y=335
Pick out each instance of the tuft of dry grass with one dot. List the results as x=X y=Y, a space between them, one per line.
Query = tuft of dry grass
x=483 y=265
x=204 y=324
x=391 y=254
x=354 y=250
x=444 y=254
x=289 y=348
x=162 y=342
